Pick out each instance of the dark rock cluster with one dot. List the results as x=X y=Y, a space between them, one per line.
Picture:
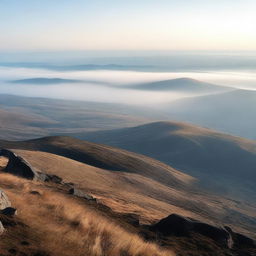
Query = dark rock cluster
x=81 y=194
x=178 y=225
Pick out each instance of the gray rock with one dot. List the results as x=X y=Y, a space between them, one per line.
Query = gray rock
x=4 y=201
x=49 y=178
x=42 y=176
x=81 y=194
x=53 y=178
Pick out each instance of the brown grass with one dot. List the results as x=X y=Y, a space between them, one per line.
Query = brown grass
x=63 y=226
x=3 y=162
x=133 y=193
x=124 y=192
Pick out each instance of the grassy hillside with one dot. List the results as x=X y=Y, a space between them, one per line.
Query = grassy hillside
x=217 y=160
x=132 y=183
x=26 y=118
x=52 y=222
x=105 y=157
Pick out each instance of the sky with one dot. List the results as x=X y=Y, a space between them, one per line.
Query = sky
x=141 y=25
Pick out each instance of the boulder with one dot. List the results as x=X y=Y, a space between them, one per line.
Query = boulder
x=42 y=176
x=18 y=165
x=218 y=234
x=9 y=211
x=4 y=201
x=49 y=178
x=81 y=194
x=178 y=225
x=174 y=224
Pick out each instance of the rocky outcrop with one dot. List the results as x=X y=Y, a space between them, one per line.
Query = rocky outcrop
x=4 y=201
x=49 y=178
x=81 y=194
x=53 y=178
x=178 y=225
x=19 y=166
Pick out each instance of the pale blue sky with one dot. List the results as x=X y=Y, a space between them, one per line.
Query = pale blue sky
x=127 y=25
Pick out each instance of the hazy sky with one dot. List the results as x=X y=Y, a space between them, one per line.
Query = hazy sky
x=127 y=25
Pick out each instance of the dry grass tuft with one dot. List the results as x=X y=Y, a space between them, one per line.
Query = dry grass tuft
x=66 y=227
x=3 y=162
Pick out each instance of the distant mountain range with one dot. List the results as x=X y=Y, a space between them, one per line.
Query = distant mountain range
x=42 y=80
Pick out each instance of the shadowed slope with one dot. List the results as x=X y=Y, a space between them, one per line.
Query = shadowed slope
x=105 y=157
x=231 y=112
x=217 y=160
x=51 y=222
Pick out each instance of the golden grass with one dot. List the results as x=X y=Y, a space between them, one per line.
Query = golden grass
x=3 y=162
x=133 y=193
x=123 y=192
x=64 y=226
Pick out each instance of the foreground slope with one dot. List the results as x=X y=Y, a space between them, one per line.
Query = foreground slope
x=132 y=183
x=50 y=222
x=221 y=162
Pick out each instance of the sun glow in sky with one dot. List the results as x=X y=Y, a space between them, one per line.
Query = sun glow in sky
x=127 y=25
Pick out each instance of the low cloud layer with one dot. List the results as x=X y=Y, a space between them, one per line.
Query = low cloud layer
x=106 y=86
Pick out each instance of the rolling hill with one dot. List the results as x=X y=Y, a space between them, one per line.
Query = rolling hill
x=183 y=85
x=217 y=160
x=230 y=112
x=16 y=124
x=99 y=156
x=26 y=118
